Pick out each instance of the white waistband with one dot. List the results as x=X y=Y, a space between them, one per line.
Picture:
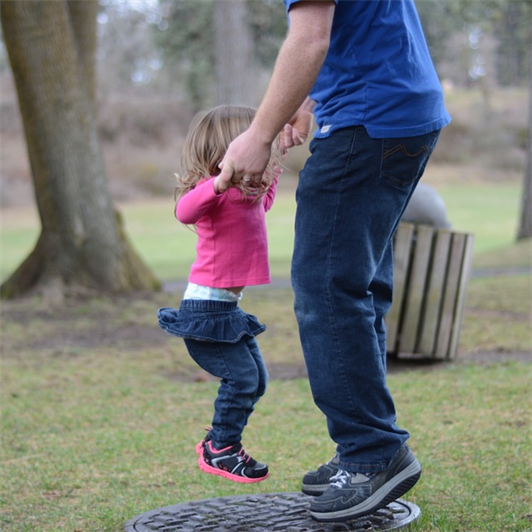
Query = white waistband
x=196 y=291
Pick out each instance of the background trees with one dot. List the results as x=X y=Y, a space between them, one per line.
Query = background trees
x=471 y=40
x=233 y=53
x=216 y=49
x=488 y=44
x=524 y=229
x=51 y=47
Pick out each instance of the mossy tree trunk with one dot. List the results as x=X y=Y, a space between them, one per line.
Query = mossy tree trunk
x=82 y=245
x=524 y=229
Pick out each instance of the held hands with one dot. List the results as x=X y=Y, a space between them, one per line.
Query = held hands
x=247 y=156
x=245 y=159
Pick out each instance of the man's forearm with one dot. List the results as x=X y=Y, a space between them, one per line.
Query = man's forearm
x=297 y=67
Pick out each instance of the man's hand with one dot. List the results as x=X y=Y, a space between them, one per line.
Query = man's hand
x=245 y=159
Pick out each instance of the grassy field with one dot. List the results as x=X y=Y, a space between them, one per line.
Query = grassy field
x=98 y=427
x=101 y=410
x=489 y=210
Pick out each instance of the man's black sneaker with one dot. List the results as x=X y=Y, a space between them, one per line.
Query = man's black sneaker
x=316 y=482
x=231 y=462
x=353 y=495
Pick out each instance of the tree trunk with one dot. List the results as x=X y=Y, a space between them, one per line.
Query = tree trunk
x=233 y=53
x=83 y=18
x=525 y=220
x=82 y=243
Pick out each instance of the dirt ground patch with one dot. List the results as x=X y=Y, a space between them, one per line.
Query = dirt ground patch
x=129 y=323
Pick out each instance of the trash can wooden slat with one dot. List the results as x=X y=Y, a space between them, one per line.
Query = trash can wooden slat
x=416 y=292
x=430 y=281
x=401 y=259
x=435 y=291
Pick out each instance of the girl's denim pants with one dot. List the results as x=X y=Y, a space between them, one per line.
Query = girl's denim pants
x=220 y=337
x=350 y=198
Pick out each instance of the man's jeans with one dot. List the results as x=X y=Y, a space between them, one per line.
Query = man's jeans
x=350 y=198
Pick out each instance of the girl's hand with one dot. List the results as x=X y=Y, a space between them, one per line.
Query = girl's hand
x=296 y=131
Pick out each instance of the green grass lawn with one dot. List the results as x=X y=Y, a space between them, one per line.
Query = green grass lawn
x=489 y=210
x=92 y=437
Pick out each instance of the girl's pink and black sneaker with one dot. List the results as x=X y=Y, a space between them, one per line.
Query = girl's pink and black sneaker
x=231 y=462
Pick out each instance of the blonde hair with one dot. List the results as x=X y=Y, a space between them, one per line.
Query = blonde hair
x=207 y=140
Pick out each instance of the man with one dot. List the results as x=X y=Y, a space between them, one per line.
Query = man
x=363 y=69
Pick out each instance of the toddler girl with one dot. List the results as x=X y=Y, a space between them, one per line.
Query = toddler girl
x=232 y=253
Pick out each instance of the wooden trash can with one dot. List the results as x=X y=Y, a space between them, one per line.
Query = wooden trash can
x=430 y=280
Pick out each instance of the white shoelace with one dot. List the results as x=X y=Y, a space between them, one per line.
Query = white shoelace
x=340 y=478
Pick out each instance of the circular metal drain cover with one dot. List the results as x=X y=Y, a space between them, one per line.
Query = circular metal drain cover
x=270 y=512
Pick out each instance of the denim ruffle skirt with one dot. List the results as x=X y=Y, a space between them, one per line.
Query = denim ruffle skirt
x=209 y=321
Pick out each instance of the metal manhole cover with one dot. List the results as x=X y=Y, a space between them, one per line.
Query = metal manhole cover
x=270 y=512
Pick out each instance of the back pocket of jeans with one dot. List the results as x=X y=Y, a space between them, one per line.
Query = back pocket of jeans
x=404 y=159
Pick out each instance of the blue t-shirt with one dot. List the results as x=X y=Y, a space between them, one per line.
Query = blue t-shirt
x=378 y=72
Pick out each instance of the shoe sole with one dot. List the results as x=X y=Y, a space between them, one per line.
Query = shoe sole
x=387 y=493
x=205 y=467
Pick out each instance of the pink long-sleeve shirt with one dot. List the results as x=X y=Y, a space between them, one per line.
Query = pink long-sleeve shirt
x=232 y=247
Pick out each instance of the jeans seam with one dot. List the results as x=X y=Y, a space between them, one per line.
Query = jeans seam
x=335 y=334
x=231 y=396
